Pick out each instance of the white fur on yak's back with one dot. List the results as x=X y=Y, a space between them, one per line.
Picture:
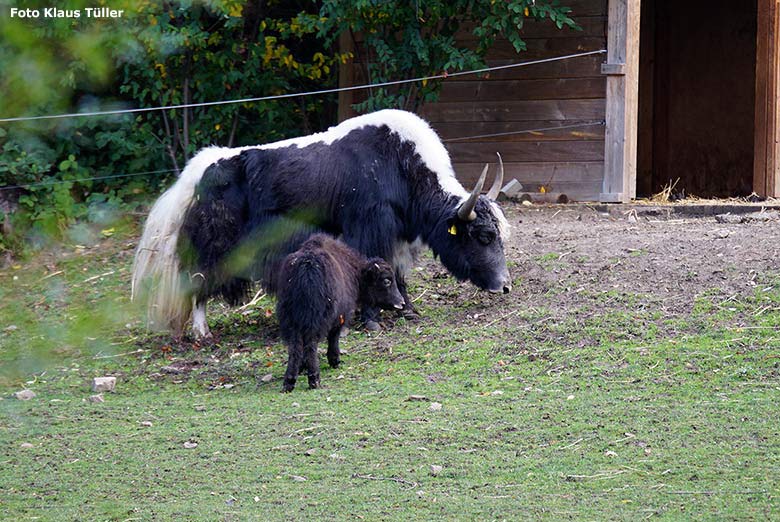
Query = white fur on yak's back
x=409 y=127
x=157 y=276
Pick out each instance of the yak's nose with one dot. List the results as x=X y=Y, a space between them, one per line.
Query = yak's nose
x=507 y=288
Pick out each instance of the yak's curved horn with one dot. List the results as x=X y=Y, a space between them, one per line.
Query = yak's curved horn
x=498 y=182
x=466 y=210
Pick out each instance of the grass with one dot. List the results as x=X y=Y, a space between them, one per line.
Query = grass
x=599 y=416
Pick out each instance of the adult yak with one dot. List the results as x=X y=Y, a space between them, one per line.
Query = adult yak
x=383 y=181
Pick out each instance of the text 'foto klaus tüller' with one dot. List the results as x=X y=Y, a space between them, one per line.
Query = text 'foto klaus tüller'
x=55 y=12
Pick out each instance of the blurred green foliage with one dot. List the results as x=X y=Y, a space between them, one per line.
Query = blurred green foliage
x=156 y=54
x=163 y=53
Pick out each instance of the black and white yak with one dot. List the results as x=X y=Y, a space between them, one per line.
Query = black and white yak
x=318 y=288
x=383 y=182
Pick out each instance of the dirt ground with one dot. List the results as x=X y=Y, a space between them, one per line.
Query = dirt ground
x=651 y=266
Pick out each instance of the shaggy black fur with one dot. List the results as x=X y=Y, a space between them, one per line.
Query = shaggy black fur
x=370 y=187
x=318 y=288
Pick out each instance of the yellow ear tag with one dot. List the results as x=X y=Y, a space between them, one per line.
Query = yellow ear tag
x=452 y=230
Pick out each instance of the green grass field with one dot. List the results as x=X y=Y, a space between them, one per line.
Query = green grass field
x=610 y=416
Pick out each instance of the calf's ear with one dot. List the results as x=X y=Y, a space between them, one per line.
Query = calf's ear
x=371 y=270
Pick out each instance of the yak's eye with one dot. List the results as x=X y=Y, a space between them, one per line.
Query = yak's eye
x=484 y=236
x=387 y=282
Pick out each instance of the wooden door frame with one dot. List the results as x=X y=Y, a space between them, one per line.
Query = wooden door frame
x=766 y=162
x=622 y=110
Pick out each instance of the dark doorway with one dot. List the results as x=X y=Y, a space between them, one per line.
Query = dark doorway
x=697 y=81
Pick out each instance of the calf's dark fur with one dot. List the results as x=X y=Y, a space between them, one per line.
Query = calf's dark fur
x=319 y=286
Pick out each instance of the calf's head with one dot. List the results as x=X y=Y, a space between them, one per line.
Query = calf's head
x=378 y=287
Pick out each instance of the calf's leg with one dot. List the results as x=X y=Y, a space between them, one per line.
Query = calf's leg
x=294 y=362
x=334 y=354
x=312 y=362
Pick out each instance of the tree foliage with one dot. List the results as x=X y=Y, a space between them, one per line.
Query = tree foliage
x=166 y=53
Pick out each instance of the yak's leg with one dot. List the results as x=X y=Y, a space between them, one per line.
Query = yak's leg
x=199 y=325
x=369 y=316
x=334 y=354
x=409 y=312
x=294 y=363
x=312 y=361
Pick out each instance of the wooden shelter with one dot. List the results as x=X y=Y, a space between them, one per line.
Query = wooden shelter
x=686 y=91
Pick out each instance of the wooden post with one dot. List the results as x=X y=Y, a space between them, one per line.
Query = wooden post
x=622 y=70
x=766 y=162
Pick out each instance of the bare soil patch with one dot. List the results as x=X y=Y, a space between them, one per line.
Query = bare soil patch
x=629 y=270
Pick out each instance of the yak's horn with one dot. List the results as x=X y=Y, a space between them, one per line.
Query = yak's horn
x=498 y=182
x=466 y=210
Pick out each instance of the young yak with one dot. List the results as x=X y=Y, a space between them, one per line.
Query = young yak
x=319 y=287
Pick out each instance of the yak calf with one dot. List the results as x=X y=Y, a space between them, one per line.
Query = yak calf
x=319 y=287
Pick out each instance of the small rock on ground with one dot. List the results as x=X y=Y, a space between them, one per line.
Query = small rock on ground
x=24 y=395
x=103 y=384
x=96 y=398
x=730 y=219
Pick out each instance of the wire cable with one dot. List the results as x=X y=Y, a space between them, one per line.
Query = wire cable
x=526 y=131
x=60 y=181
x=293 y=95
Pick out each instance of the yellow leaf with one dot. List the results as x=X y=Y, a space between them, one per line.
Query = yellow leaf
x=217 y=126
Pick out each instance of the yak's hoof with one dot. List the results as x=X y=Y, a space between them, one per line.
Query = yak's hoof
x=410 y=314
x=333 y=363
x=372 y=326
x=205 y=338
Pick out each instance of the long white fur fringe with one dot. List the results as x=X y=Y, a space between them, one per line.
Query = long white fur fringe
x=157 y=277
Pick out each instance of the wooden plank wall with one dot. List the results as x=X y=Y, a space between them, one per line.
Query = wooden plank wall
x=555 y=94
